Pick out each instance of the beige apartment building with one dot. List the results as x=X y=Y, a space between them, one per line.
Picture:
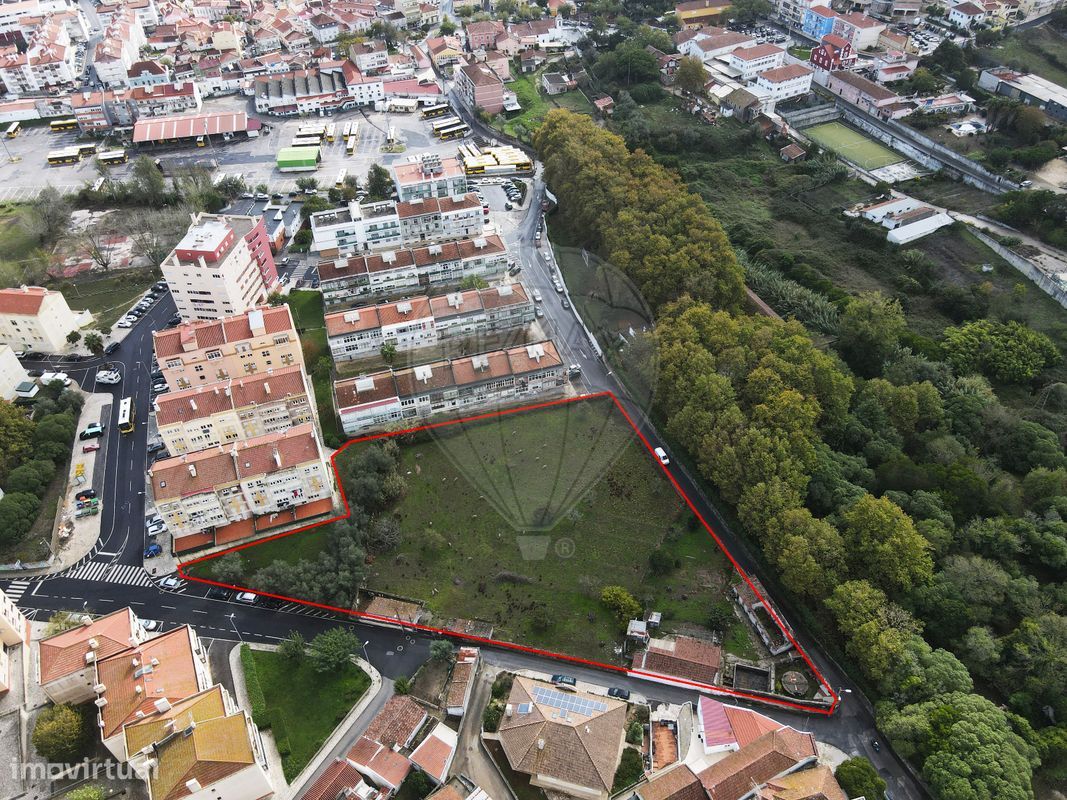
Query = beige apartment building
x=199 y=353
x=14 y=631
x=12 y=372
x=233 y=410
x=250 y=485
x=34 y=318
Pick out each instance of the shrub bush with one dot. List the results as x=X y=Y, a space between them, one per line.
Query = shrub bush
x=256 y=699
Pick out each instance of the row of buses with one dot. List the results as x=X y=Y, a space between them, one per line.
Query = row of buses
x=447 y=128
x=74 y=154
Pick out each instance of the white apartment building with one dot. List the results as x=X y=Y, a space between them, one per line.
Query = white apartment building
x=363 y=228
x=711 y=43
x=12 y=373
x=233 y=410
x=119 y=49
x=500 y=377
x=222 y=266
x=748 y=62
x=429 y=176
x=33 y=318
x=14 y=631
x=46 y=64
x=423 y=322
x=400 y=272
x=792 y=11
x=199 y=353
x=13 y=14
x=207 y=490
x=793 y=80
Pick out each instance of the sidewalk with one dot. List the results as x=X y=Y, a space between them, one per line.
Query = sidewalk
x=341 y=735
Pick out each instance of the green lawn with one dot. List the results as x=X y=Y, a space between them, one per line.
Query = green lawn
x=1040 y=50
x=852 y=145
x=107 y=296
x=304 y=705
x=522 y=519
x=536 y=105
x=308 y=314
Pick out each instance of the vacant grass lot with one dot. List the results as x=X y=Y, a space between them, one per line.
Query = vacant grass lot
x=1040 y=50
x=308 y=314
x=536 y=105
x=522 y=519
x=108 y=296
x=304 y=705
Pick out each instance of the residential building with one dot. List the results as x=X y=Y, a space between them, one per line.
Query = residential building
x=118 y=49
x=1031 y=89
x=967 y=15
x=233 y=410
x=248 y=484
x=771 y=757
x=384 y=766
x=680 y=657
x=483 y=35
x=556 y=83
x=792 y=11
x=675 y=783
x=833 y=54
x=167 y=98
x=369 y=56
x=445 y=52
x=709 y=44
x=868 y=95
x=461 y=681
x=480 y=88
x=429 y=176
x=817 y=783
x=423 y=322
x=567 y=742
x=201 y=747
x=748 y=62
x=47 y=64
x=397 y=723
x=131 y=683
x=361 y=228
x=435 y=752
x=147 y=73
x=66 y=662
x=818 y=21
x=34 y=318
x=14 y=631
x=724 y=728
x=894 y=65
x=698 y=13
x=223 y=266
x=341 y=779
x=793 y=80
x=398 y=272
x=859 y=29
x=331 y=86
x=495 y=378
x=198 y=353
x=12 y=373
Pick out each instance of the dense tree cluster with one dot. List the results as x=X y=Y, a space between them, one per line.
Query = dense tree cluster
x=637 y=215
x=924 y=521
x=35 y=444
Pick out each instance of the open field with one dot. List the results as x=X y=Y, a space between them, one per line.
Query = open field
x=1040 y=50
x=308 y=313
x=304 y=705
x=109 y=295
x=536 y=105
x=853 y=145
x=521 y=519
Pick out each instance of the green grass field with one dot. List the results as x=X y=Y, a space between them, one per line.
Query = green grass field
x=1040 y=50
x=308 y=314
x=522 y=519
x=305 y=705
x=108 y=296
x=535 y=105
x=852 y=145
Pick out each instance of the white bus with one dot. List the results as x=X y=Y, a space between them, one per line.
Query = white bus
x=126 y=415
x=346 y=131
x=340 y=182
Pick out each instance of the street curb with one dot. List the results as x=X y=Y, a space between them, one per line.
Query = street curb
x=327 y=747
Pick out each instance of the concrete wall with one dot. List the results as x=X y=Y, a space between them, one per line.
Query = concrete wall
x=1049 y=286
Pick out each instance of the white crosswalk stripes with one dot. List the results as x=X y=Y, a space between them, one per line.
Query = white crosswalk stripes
x=16 y=590
x=111 y=573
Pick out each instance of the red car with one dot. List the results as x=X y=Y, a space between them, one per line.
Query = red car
x=90 y=448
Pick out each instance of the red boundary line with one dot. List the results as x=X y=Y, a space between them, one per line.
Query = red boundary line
x=512 y=645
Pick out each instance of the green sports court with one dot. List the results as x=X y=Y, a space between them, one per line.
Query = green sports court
x=852 y=145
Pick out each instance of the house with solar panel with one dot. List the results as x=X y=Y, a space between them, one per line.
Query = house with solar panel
x=567 y=742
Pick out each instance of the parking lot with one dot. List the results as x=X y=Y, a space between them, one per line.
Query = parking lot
x=24 y=167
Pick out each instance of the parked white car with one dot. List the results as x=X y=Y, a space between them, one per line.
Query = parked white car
x=53 y=377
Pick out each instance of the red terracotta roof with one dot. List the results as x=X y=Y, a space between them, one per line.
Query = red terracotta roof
x=25 y=300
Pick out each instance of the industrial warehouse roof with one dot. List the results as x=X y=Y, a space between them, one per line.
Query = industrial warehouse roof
x=188 y=125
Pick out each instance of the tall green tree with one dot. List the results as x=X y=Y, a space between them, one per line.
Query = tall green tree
x=869 y=332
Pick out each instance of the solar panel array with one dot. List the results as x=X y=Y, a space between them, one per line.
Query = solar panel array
x=568 y=702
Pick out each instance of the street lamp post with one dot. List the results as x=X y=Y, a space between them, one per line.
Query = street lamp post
x=230 y=617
